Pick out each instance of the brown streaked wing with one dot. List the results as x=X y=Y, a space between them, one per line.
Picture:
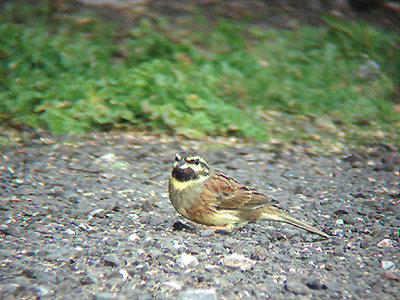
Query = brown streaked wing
x=223 y=192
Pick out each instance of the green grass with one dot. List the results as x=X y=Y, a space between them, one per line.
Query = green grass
x=75 y=73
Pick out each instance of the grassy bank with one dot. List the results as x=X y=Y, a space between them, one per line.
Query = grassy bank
x=77 y=72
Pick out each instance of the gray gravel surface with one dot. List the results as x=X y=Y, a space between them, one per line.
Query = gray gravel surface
x=89 y=217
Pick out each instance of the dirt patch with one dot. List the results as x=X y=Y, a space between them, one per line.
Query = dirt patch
x=276 y=13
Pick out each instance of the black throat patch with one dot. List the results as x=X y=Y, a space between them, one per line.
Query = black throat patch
x=184 y=175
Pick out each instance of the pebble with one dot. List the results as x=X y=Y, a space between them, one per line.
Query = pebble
x=179 y=226
x=260 y=253
x=173 y=284
x=41 y=290
x=296 y=288
x=339 y=222
x=230 y=243
x=69 y=231
x=207 y=232
x=111 y=260
x=187 y=261
x=104 y=296
x=218 y=248
x=124 y=273
x=88 y=279
x=316 y=284
x=388 y=265
x=238 y=261
x=338 y=251
x=133 y=237
x=348 y=219
x=385 y=243
x=200 y=294
x=108 y=158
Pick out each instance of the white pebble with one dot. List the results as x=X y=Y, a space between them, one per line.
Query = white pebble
x=385 y=243
x=187 y=261
x=237 y=261
x=124 y=273
x=388 y=265
x=174 y=285
x=133 y=237
x=69 y=231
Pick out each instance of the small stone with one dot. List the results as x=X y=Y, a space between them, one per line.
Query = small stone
x=179 y=226
x=260 y=253
x=187 y=261
x=329 y=267
x=155 y=253
x=200 y=294
x=133 y=237
x=316 y=285
x=104 y=295
x=388 y=265
x=348 y=219
x=230 y=243
x=218 y=248
x=86 y=227
x=238 y=261
x=30 y=273
x=41 y=290
x=360 y=195
x=357 y=164
x=124 y=273
x=88 y=279
x=173 y=285
x=69 y=231
x=207 y=232
x=210 y=268
x=339 y=222
x=179 y=246
x=111 y=261
x=338 y=251
x=385 y=243
x=95 y=212
x=296 y=288
x=106 y=158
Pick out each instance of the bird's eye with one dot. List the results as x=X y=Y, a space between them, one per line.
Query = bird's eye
x=176 y=158
x=197 y=162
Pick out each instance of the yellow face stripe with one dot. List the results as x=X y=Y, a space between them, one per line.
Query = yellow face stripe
x=196 y=168
x=179 y=185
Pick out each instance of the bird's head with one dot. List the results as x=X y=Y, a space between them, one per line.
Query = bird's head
x=189 y=166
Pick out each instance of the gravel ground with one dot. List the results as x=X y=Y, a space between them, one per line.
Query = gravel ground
x=89 y=217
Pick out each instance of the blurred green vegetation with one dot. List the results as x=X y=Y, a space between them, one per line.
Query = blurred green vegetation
x=77 y=72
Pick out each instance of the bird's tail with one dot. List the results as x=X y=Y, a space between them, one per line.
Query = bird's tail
x=273 y=213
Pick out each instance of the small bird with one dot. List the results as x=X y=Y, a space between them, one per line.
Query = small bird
x=213 y=198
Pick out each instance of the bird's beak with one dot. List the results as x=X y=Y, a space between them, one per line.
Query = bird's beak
x=182 y=164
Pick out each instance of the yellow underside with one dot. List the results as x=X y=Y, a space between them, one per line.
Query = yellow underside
x=222 y=218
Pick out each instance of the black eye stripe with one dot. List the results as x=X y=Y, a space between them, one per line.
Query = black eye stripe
x=194 y=161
